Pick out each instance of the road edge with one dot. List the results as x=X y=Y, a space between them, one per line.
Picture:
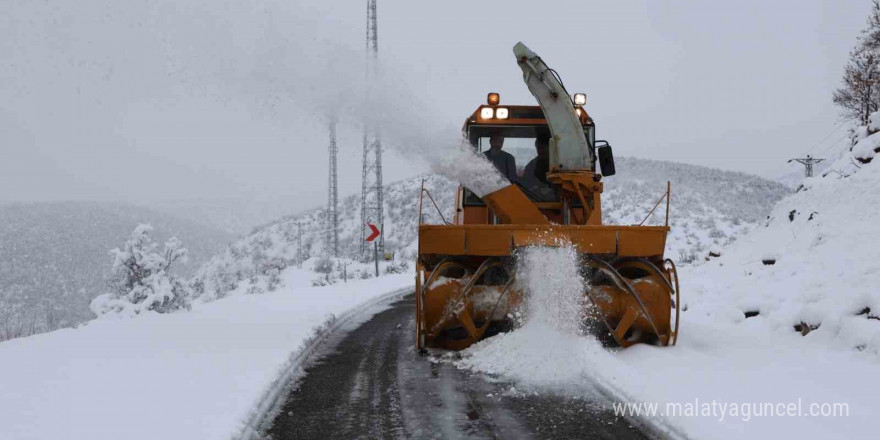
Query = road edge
x=264 y=410
x=656 y=428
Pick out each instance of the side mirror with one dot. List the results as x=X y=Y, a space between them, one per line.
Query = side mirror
x=606 y=159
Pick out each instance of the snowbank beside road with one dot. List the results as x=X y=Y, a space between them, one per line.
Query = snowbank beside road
x=748 y=365
x=816 y=265
x=726 y=364
x=808 y=281
x=195 y=375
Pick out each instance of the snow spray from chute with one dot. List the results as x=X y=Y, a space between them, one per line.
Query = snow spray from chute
x=554 y=288
x=417 y=137
x=417 y=132
x=553 y=348
x=462 y=163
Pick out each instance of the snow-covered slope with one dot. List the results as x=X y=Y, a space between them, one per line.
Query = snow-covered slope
x=253 y=261
x=210 y=373
x=55 y=257
x=825 y=261
x=701 y=219
x=780 y=335
x=709 y=209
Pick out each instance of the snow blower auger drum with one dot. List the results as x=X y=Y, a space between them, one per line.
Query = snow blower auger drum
x=465 y=277
x=635 y=298
x=460 y=300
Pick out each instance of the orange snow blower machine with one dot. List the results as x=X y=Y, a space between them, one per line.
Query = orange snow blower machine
x=466 y=280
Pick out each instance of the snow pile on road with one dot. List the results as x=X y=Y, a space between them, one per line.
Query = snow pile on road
x=787 y=316
x=549 y=349
x=539 y=355
x=195 y=375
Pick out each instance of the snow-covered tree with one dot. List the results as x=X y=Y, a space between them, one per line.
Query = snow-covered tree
x=859 y=95
x=141 y=278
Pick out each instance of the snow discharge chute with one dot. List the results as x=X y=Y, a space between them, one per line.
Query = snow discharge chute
x=466 y=284
x=568 y=145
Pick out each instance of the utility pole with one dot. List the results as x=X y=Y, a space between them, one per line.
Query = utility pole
x=808 y=163
x=332 y=196
x=372 y=197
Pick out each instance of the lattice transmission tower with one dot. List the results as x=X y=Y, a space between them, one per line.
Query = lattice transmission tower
x=372 y=198
x=808 y=163
x=332 y=195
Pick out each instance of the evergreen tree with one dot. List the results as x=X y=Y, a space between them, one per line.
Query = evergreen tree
x=141 y=279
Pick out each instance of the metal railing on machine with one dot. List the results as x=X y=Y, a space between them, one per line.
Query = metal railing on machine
x=421 y=195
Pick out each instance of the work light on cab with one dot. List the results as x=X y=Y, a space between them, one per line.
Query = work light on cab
x=580 y=99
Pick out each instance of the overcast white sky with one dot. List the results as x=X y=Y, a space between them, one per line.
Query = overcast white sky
x=141 y=100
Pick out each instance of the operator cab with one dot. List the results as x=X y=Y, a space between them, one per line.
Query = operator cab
x=520 y=126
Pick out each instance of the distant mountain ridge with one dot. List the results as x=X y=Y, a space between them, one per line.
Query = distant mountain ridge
x=54 y=255
x=235 y=215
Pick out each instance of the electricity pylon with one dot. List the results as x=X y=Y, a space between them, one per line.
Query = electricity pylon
x=332 y=196
x=808 y=163
x=372 y=197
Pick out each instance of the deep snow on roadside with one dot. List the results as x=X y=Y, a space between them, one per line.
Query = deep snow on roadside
x=826 y=265
x=723 y=363
x=193 y=375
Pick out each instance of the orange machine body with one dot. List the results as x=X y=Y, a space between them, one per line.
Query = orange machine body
x=466 y=280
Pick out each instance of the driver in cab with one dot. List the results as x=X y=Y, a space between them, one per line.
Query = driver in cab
x=534 y=177
x=503 y=161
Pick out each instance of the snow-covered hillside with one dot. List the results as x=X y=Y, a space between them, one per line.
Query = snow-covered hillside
x=255 y=260
x=815 y=264
x=700 y=220
x=710 y=208
x=780 y=335
x=56 y=255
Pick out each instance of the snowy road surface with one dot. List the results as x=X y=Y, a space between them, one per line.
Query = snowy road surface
x=373 y=385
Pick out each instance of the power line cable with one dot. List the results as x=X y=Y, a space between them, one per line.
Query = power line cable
x=833 y=130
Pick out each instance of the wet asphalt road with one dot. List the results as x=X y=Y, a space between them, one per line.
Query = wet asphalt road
x=374 y=386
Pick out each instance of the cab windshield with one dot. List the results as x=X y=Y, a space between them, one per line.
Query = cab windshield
x=520 y=142
x=522 y=150
x=531 y=168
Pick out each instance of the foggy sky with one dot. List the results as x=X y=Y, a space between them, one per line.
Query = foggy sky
x=138 y=100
